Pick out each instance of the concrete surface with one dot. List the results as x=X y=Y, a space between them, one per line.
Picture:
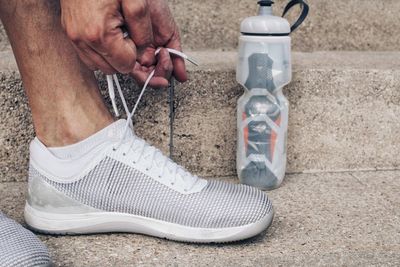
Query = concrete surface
x=330 y=219
x=4 y=44
x=331 y=25
x=344 y=115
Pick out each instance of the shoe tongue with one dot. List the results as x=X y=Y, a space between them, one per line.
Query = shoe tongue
x=117 y=131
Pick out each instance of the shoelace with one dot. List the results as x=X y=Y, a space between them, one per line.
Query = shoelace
x=139 y=145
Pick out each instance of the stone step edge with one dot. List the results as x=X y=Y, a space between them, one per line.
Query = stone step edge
x=217 y=60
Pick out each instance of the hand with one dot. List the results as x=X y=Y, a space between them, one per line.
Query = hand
x=94 y=26
x=165 y=34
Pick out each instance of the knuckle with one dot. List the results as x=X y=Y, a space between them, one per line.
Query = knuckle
x=136 y=8
x=167 y=67
x=72 y=34
x=170 y=68
x=93 y=34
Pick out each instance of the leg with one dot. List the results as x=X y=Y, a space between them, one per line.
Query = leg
x=63 y=93
x=124 y=184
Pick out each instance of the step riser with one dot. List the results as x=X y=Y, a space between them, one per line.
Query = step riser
x=3 y=39
x=331 y=25
x=339 y=119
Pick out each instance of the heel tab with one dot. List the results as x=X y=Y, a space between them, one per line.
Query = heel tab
x=38 y=151
x=36 y=144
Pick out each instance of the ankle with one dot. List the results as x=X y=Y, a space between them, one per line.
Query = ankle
x=64 y=131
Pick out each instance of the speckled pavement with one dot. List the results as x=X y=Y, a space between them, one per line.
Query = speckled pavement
x=344 y=114
x=324 y=219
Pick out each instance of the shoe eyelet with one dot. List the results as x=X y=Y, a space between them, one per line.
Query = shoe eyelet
x=172 y=183
x=114 y=149
x=124 y=154
x=159 y=176
x=147 y=169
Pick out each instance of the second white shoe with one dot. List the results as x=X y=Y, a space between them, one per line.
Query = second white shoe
x=123 y=184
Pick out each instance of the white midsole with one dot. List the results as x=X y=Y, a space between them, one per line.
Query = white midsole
x=102 y=222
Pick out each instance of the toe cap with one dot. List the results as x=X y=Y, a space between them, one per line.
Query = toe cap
x=20 y=247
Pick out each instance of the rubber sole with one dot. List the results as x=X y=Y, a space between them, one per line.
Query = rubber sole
x=111 y=222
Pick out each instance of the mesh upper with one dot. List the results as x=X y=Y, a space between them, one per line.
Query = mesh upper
x=115 y=187
x=19 y=247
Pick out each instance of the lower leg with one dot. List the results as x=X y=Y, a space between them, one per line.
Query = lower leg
x=63 y=93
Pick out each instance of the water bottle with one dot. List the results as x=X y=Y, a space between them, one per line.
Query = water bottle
x=264 y=68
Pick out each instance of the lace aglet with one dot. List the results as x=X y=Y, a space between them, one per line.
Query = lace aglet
x=191 y=60
x=112 y=94
x=115 y=108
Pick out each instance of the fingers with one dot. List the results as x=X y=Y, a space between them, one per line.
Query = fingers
x=178 y=63
x=137 y=18
x=117 y=51
x=166 y=34
x=140 y=74
x=146 y=57
x=97 y=35
x=163 y=71
x=164 y=65
x=93 y=60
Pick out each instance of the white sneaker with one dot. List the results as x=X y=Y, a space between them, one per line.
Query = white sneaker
x=126 y=185
x=20 y=247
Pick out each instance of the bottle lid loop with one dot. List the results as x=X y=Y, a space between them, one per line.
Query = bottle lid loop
x=303 y=15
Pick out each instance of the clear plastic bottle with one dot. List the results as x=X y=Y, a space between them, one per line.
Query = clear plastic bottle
x=264 y=68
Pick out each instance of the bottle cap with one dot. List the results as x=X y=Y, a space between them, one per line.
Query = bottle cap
x=265 y=24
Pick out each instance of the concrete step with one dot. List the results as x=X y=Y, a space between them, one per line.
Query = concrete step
x=344 y=114
x=340 y=219
x=332 y=25
x=4 y=44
